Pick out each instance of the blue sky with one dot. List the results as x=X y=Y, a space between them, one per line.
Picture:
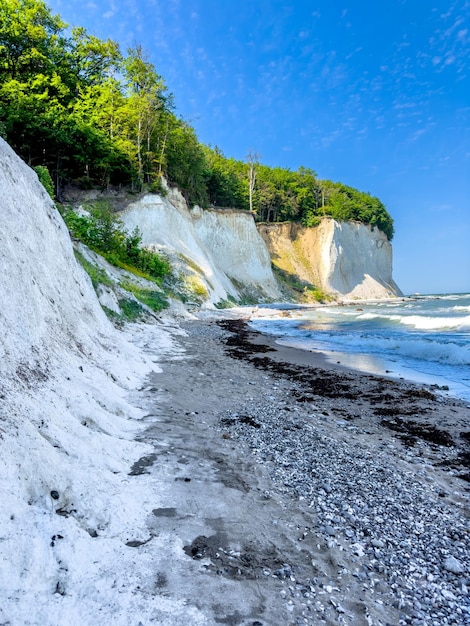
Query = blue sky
x=375 y=95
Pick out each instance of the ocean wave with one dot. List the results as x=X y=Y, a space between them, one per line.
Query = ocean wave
x=399 y=346
x=431 y=338
x=422 y=322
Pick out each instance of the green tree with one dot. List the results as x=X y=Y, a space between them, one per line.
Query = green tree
x=31 y=40
x=226 y=184
x=147 y=107
x=45 y=179
x=187 y=166
x=72 y=103
x=93 y=60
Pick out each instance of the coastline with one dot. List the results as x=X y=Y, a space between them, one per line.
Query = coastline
x=305 y=493
x=423 y=340
x=431 y=417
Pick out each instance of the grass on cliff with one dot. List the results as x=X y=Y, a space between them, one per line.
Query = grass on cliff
x=300 y=290
x=154 y=299
x=98 y=276
x=131 y=308
x=101 y=230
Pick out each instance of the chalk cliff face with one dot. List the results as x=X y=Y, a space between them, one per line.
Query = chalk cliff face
x=223 y=254
x=345 y=259
x=67 y=431
x=220 y=253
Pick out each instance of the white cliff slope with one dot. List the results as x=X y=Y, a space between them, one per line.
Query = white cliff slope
x=67 y=429
x=237 y=249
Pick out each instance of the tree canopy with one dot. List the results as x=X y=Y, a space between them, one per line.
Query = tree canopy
x=94 y=115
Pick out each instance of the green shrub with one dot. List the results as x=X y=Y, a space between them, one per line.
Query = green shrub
x=45 y=179
x=131 y=310
x=97 y=275
x=311 y=220
x=226 y=304
x=314 y=294
x=157 y=187
x=103 y=232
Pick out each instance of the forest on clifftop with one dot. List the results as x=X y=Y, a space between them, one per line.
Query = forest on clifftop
x=95 y=116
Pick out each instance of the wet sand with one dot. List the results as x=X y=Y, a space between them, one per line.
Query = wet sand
x=293 y=492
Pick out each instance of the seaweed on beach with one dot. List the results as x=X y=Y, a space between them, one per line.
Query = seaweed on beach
x=239 y=343
x=422 y=394
x=398 y=410
x=392 y=402
x=462 y=460
x=411 y=431
x=318 y=381
x=465 y=435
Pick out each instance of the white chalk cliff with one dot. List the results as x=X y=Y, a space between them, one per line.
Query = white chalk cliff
x=227 y=255
x=67 y=428
x=219 y=251
x=346 y=259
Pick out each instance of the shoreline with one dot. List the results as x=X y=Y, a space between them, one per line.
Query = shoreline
x=410 y=399
x=305 y=494
x=383 y=348
x=317 y=358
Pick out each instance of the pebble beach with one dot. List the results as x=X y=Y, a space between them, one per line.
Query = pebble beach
x=342 y=498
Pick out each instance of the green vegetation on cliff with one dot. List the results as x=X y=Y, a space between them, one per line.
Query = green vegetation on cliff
x=78 y=106
x=283 y=195
x=101 y=231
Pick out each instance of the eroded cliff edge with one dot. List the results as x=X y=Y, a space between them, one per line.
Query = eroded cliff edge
x=218 y=252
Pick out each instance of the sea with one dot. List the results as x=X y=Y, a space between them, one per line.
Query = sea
x=423 y=339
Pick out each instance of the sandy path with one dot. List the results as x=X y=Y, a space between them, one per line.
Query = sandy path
x=231 y=531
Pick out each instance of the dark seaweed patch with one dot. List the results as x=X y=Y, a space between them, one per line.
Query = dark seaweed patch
x=411 y=431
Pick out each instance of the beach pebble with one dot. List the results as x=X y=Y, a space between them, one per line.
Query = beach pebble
x=358 y=549
x=453 y=565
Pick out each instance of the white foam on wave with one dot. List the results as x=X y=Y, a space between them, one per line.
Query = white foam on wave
x=422 y=322
x=428 y=338
x=405 y=346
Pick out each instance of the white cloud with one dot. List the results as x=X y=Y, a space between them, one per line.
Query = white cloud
x=417 y=134
x=327 y=140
